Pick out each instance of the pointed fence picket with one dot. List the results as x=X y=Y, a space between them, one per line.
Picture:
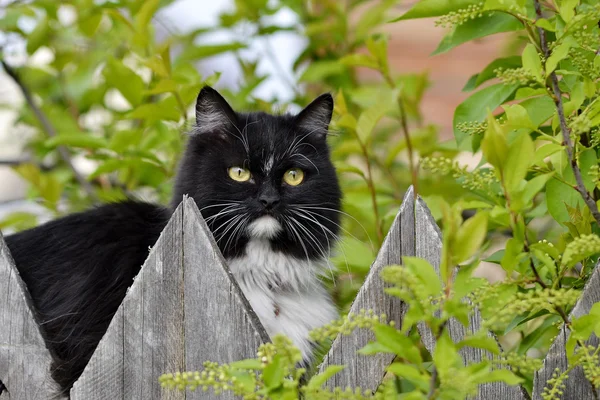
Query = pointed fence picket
x=185 y=308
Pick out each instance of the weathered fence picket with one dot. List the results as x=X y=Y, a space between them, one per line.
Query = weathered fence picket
x=185 y=308
x=24 y=359
x=367 y=372
x=576 y=385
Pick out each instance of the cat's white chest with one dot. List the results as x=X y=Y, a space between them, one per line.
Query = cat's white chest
x=285 y=292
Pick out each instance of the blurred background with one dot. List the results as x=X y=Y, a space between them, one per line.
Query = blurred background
x=112 y=86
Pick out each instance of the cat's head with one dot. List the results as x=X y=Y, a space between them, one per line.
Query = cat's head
x=264 y=177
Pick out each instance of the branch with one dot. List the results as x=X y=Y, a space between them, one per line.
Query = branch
x=406 y=133
x=49 y=129
x=566 y=133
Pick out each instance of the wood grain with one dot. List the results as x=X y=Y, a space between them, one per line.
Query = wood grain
x=182 y=309
x=24 y=359
x=429 y=247
x=362 y=371
x=220 y=325
x=576 y=385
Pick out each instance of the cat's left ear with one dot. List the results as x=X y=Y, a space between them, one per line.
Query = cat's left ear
x=213 y=113
x=316 y=116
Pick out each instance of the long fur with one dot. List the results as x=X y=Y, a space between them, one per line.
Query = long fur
x=276 y=237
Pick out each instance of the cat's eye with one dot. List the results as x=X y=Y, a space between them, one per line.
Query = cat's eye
x=239 y=174
x=293 y=176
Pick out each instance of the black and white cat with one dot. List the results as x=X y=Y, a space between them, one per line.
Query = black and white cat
x=269 y=193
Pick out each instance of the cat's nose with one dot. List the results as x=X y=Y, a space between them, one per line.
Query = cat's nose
x=269 y=200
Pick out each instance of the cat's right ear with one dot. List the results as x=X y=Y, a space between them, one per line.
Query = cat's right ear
x=213 y=113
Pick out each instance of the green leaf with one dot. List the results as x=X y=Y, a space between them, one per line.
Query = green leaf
x=546 y=150
x=487 y=24
x=164 y=86
x=513 y=253
x=166 y=109
x=587 y=159
x=504 y=63
x=369 y=118
x=532 y=62
x=476 y=107
x=273 y=373
x=540 y=109
x=142 y=21
x=433 y=8
x=445 y=355
x=545 y=24
x=534 y=186
x=560 y=195
x=494 y=144
x=360 y=60
x=319 y=70
x=397 y=343
x=518 y=160
x=426 y=274
x=77 y=140
x=201 y=52
x=125 y=81
x=320 y=379
x=517 y=117
x=411 y=373
x=567 y=9
x=501 y=375
x=481 y=342
x=341 y=168
x=38 y=35
x=559 y=53
x=469 y=237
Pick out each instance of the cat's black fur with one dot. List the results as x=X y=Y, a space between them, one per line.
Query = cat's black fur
x=78 y=268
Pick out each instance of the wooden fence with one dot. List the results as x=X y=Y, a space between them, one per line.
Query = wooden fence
x=185 y=307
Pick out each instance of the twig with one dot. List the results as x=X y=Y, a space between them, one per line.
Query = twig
x=405 y=132
x=50 y=131
x=587 y=197
x=371 y=186
x=434 y=373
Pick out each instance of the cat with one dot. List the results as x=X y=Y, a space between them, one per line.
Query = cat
x=268 y=190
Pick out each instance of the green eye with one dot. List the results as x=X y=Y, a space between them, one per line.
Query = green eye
x=239 y=174
x=293 y=176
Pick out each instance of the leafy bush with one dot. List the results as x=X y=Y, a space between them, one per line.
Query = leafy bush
x=533 y=116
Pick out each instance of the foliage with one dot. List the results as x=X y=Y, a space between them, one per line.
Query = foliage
x=533 y=118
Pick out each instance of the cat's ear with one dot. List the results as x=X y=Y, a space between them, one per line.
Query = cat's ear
x=316 y=116
x=213 y=113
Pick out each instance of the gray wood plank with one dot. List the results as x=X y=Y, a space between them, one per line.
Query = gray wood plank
x=576 y=386
x=429 y=247
x=182 y=309
x=24 y=359
x=220 y=325
x=362 y=371
x=145 y=337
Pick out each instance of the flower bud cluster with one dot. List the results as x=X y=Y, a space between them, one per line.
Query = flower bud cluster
x=587 y=356
x=347 y=324
x=215 y=376
x=459 y=17
x=519 y=363
x=516 y=76
x=531 y=301
x=555 y=385
x=472 y=127
x=479 y=180
x=340 y=394
x=582 y=247
x=584 y=64
x=580 y=124
x=594 y=173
